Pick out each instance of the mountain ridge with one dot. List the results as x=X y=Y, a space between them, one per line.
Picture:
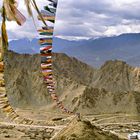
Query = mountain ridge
x=124 y=47
x=80 y=87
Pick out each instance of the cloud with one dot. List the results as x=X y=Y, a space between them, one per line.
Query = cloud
x=97 y=18
x=85 y=18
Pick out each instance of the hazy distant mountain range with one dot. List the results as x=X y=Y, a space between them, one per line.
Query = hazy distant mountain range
x=93 y=51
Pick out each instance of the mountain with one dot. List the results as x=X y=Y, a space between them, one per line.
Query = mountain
x=113 y=88
x=94 y=52
x=26 y=46
x=60 y=45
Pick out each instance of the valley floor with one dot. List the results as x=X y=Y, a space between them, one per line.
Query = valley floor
x=118 y=124
x=50 y=124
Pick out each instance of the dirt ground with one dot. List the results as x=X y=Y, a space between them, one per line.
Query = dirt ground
x=48 y=124
x=118 y=124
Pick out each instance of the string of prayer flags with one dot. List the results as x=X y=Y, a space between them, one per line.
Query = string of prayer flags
x=48 y=14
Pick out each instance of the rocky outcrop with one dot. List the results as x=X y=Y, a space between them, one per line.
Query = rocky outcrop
x=100 y=101
x=117 y=76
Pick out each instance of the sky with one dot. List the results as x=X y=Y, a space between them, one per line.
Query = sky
x=82 y=19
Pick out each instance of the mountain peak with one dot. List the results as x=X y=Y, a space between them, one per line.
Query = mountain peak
x=114 y=64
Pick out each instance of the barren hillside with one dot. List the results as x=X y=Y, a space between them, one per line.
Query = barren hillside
x=115 y=87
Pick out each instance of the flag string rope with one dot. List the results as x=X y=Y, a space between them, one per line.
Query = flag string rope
x=46 y=40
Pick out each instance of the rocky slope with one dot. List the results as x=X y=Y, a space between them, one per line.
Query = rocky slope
x=117 y=76
x=115 y=87
x=24 y=80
